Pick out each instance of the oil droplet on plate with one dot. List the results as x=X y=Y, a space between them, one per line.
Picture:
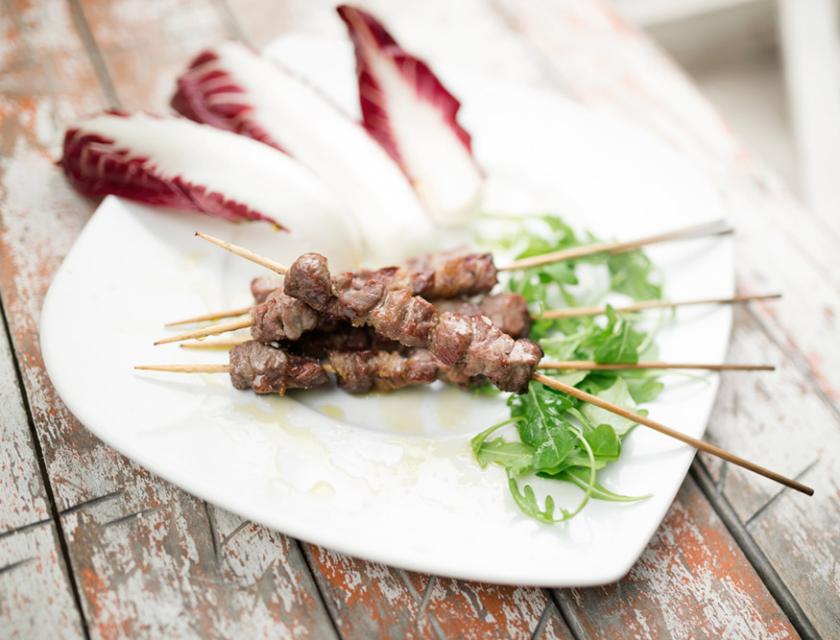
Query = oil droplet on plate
x=453 y=408
x=333 y=411
x=322 y=489
x=402 y=412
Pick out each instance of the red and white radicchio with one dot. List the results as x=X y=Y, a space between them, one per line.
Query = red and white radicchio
x=234 y=88
x=415 y=119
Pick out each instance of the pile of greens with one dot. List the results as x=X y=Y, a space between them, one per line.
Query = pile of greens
x=555 y=436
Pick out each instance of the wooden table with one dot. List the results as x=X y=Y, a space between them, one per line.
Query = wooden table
x=93 y=545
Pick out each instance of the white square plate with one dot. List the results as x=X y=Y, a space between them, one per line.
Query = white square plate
x=391 y=477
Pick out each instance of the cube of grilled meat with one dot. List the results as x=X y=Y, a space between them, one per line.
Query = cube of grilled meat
x=470 y=345
x=508 y=311
x=362 y=371
x=432 y=276
x=396 y=315
x=264 y=369
x=262 y=286
x=453 y=274
x=282 y=317
x=473 y=346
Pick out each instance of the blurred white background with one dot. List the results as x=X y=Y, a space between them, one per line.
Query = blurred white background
x=772 y=68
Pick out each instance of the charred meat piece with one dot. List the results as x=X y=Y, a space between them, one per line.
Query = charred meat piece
x=262 y=286
x=508 y=311
x=362 y=371
x=268 y=370
x=453 y=274
x=282 y=317
x=469 y=345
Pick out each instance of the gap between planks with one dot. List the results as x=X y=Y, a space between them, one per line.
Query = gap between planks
x=751 y=550
x=66 y=561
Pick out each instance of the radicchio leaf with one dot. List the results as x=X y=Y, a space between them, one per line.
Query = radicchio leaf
x=172 y=162
x=233 y=88
x=415 y=119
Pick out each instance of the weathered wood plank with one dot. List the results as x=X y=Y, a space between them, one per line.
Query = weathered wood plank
x=23 y=499
x=146 y=557
x=35 y=591
x=692 y=581
x=35 y=597
x=368 y=599
x=786 y=424
x=608 y=65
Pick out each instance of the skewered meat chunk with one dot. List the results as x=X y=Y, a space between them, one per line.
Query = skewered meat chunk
x=432 y=276
x=454 y=274
x=508 y=311
x=469 y=345
x=282 y=317
x=362 y=371
x=265 y=369
x=262 y=286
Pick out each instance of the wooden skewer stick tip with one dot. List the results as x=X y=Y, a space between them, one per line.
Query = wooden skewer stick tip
x=208 y=317
x=212 y=330
x=716 y=227
x=276 y=267
x=585 y=365
x=185 y=368
x=645 y=305
x=698 y=444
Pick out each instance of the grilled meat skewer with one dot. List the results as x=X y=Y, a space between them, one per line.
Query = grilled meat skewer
x=468 y=345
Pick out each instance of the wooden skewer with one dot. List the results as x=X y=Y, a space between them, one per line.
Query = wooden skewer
x=572 y=312
x=577 y=312
x=686 y=233
x=276 y=267
x=199 y=368
x=207 y=317
x=585 y=365
x=185 y=368
x=213 y=344
x=212 y=330
x=661 y=428
x=698 y=444
x=716 y=228
x=561 y=365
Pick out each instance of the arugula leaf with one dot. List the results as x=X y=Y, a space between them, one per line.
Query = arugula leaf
x=555 y=448
x=516 y=457
x=604 y=442
x=527 y=501
x=631 y=273
x=644 y=388
x=580 y=477
x=617 y=394
x=560 y=438
x=617 y=342
x=535 y=410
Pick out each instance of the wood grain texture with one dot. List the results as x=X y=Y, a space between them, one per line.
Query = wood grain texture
x=35 y=596
x=23 y=499
x=146 y=557
x=368 y=599
x=790 y=421
x=691 y=582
